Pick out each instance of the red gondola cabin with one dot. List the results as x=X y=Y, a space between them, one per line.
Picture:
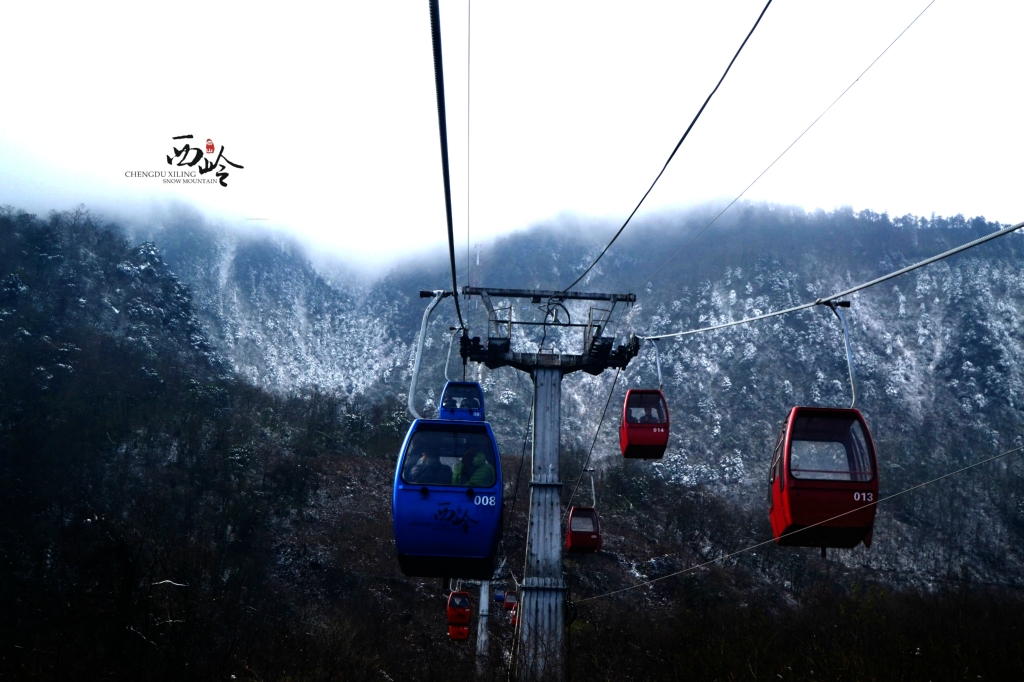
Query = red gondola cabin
x=458 y=608
x=458 y=633
x=823 y=466
x=584 y=534
x=643 y=432
x=510 y=601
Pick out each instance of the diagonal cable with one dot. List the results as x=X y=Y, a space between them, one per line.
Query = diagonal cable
x=825 y=299
x=678 y=144
x=767 y=542
x=791 y=144
x=519 y=473
x=596 y=434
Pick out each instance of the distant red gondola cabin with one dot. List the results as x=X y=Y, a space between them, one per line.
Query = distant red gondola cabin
x=643 y=432
x=823 y=467
x=458 y=608
x=510 y=601
x=584 y=533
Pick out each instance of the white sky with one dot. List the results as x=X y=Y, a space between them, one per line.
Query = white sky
x=575 y=106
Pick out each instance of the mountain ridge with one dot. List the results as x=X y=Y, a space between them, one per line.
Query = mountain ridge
x=177 y=410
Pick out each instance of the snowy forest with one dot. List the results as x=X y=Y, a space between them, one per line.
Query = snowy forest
x=199 y=428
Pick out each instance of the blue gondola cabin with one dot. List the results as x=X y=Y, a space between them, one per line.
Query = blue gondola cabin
x=447 y=500
x=462 y=400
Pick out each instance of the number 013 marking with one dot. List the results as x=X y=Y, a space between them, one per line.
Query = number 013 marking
x=863 y=497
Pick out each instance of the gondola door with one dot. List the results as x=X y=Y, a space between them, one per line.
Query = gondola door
x=462 y=400
x=459 y=611
x=458 y=633
x=584 y=532
x=823 y=480
x=459 y=614
x=447 y=500
x=644 y=429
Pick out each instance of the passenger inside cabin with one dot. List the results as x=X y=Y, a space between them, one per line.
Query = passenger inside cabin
x=473 y=470
x=461 y=397
x=648 y=416
x=645 y=409
x=429 y=469
x=645 y=415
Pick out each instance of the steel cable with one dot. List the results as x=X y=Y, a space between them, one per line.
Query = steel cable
x=519 y=475
x=766 y=542
x=860 y=287
x=678 y=144
x=442 y=124
x=611 y=391
x=791 y=144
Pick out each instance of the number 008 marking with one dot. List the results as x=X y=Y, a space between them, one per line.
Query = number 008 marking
x=863 y=497
x=485 y=500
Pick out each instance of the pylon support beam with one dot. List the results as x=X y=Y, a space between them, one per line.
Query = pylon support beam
x=541 y=606
x=542 y=600
x=538 y=295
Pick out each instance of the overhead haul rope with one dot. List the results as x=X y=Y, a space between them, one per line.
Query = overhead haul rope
x=767 y=542
x=791 y=144
x=442 y=124
x=828 y=299
x=678 y=144
x=596 y=434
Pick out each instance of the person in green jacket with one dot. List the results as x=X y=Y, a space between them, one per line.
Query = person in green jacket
x=473 y=470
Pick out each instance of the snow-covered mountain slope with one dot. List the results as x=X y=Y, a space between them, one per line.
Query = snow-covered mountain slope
x=937 y=352
x=279 y=322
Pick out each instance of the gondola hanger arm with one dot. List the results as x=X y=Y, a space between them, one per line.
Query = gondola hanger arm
x=448 y=359
x=657 y=361
x=437 y=295
x=834 y=306
x=593 y=492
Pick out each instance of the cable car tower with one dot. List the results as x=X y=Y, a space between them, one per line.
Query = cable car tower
x=541 y=605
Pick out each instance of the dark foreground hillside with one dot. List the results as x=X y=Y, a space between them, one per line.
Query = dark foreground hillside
x=162 y=519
